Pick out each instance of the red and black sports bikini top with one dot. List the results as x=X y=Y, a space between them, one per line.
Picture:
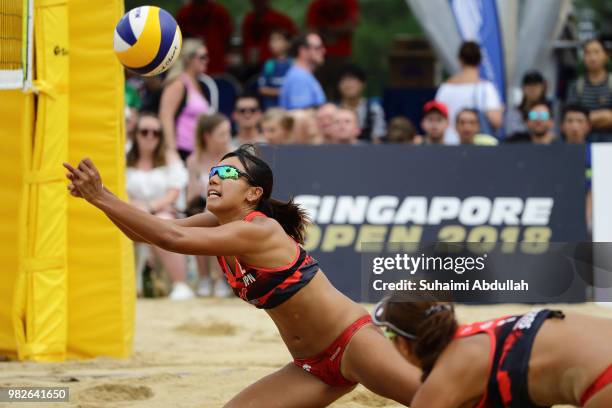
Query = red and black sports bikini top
x=266 y=288
x=511 y=339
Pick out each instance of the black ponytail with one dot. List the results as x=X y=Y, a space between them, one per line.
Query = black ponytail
x=289 y=215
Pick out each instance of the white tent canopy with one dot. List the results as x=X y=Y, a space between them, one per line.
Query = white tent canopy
x=528 y=30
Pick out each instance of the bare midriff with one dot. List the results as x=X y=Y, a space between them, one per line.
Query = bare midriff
x=314 y=317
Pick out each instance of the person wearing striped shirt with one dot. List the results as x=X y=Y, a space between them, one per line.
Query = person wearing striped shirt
x=594 y=91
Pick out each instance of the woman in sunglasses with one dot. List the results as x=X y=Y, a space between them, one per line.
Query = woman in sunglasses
x=541 y=358
x=257 y=240
x=213 y=137
x=183 y=101
x=154 y=180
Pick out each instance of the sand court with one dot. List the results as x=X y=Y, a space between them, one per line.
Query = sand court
x=198 y=353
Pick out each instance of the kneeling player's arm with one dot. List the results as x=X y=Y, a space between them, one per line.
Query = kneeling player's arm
x=430 y=396
x=444 y=388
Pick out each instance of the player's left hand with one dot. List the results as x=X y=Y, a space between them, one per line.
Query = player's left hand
x=86 y=180
x=71 y=187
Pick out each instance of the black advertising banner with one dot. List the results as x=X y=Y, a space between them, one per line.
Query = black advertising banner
x=392 y=201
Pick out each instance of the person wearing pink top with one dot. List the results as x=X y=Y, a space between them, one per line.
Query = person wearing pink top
x=182 y=101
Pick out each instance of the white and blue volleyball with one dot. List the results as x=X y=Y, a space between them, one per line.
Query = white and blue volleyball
x=147 y=40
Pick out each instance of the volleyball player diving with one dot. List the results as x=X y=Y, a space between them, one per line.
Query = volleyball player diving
x=257 y=242
x=538 y=359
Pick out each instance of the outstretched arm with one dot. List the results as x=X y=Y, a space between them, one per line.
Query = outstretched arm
x=234 y=238
x=128 y=232
x=434 y=394
x=205 y=219
x=455 y=381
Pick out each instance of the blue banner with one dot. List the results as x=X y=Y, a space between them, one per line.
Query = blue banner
x=477 y=20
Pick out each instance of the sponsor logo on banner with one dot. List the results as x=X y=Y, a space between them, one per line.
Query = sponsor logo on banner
x=385 y=221
x=506 y=208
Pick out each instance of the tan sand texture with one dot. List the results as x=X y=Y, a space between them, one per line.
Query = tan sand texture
x=197 y=353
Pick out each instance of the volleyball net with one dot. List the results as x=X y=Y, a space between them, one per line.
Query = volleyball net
x=16 y=41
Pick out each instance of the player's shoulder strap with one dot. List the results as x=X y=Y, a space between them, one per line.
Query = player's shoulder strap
x=183 y=103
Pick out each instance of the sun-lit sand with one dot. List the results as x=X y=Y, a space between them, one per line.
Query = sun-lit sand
x=197 y=353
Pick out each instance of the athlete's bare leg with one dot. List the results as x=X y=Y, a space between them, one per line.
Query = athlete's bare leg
x=371 y=360
x=290 y=386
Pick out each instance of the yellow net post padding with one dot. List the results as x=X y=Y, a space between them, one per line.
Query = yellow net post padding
x=101 y=296
x=42 y=291
x=67 y=284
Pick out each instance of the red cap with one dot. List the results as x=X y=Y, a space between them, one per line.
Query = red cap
x=435 y=105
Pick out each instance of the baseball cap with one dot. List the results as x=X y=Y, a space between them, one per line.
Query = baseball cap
x=437 y=106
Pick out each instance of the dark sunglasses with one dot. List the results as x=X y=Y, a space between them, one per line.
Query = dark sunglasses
x=228 y=172
x=146 y=132
x=244 y=111
x=391 y=330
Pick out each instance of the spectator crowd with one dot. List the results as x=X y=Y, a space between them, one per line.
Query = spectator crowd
x=303 y=89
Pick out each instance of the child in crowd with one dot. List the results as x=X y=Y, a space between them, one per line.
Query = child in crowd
x=275 y=69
